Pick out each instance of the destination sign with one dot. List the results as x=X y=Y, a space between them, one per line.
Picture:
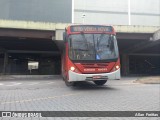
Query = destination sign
x=91 y=28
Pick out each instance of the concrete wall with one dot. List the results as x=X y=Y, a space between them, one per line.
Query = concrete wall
x=37 y=10
x=143 y=12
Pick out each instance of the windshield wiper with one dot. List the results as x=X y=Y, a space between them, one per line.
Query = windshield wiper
x=84 y=38
x=82 y=49
x=98 y=41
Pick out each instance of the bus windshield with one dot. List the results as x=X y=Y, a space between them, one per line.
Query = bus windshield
x=92 y=47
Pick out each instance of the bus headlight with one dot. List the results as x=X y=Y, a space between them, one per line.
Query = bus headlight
x=117 y=66
x=72 y=68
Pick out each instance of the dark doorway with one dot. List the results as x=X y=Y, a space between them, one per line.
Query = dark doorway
x=147 y=65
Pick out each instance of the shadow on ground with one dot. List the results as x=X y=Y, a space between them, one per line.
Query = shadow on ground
x=91 y=86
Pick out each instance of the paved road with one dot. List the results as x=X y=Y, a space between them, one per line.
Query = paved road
x=51 y=94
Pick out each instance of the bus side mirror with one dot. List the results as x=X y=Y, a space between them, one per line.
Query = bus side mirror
x=64 y=37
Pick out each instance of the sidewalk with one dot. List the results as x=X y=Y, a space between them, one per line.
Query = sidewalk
x=148 y=80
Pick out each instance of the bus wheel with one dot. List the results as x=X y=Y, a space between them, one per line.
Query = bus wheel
x=69 y=83
x=100 y=82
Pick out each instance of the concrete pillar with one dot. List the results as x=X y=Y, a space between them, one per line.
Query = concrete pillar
x=5 y=63
x=125 y=64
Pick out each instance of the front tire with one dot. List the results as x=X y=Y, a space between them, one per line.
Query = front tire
x=69 y=83
x=100 y=82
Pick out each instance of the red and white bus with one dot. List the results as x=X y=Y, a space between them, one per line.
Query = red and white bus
x=90 y=54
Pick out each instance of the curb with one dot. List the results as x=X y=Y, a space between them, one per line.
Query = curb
x=148 y=80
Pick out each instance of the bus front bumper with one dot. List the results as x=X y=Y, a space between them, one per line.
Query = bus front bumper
x=89 y=77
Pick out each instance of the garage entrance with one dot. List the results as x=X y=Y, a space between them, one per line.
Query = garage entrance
x=30 y=54
x=144 y=65
x=140 y=55
x=31 y=64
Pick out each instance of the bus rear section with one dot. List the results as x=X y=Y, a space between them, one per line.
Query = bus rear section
x=90 y=54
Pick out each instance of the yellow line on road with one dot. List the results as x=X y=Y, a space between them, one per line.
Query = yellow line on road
x=36 y=99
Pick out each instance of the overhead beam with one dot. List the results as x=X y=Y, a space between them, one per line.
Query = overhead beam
x=135 y=29
x=31 y=25
x=144 y=54
x=134 y=36
x=34 y=52
x=141 y=46
x=21 y=33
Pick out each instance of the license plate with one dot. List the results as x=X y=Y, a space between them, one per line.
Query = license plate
x=97 y=77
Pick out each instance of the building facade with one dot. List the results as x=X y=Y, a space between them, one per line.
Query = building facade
x=142 y=12
x=114 y=12
x=57 y=11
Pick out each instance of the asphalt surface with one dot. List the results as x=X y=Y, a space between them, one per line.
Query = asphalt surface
x=51 y=94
